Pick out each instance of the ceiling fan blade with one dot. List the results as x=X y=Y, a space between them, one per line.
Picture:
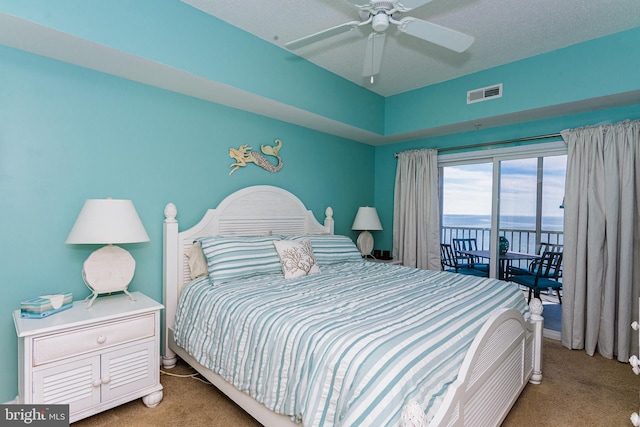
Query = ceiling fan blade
x=434 y=33
x=334 y=31
x=373 y=54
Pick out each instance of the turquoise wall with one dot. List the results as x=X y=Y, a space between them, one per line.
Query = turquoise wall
x=69 y=134
x=593 y=69
x=175 y=34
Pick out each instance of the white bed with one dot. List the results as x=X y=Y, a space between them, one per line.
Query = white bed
x=504 y=355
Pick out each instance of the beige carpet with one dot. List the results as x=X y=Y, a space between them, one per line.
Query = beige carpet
x=576 y=390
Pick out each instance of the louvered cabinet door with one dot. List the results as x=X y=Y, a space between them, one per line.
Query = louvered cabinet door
x=128 y=370
x=635 y=366
x=72 y=383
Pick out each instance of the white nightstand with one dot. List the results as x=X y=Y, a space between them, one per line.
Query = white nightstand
x=92 y=359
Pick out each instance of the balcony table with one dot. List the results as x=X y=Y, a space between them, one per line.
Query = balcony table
x=505 y=259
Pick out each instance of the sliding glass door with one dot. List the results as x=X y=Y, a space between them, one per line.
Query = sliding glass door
x=466 y=202
x=531 y=193
x=515 y=195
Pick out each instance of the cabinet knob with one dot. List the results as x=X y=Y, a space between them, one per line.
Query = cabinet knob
x=97 y=382
x=106 y=380
x=101 y=339
x=635 y=364
x=635 y=419
x=635 y=325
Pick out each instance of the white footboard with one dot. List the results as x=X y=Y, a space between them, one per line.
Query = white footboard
x=505 y=354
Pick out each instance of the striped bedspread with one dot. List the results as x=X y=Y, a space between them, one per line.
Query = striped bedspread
x=347 y=347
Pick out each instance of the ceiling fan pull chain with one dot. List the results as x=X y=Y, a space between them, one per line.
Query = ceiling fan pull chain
x=373 y=50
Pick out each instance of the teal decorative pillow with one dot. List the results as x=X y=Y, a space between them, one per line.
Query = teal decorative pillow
x=231 y=258
x=331 y=249
x=296 y=257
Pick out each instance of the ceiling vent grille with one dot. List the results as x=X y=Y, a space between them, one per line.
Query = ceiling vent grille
x=484 y=94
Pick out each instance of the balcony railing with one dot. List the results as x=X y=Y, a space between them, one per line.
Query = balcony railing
x=519 y=240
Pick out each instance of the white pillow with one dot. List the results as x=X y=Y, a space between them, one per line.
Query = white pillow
x=296 y=257
x=197 y=261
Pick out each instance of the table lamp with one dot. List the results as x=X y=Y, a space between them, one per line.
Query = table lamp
x=366 y=220
x=108 y=221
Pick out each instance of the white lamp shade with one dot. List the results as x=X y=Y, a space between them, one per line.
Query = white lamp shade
x=107 y=221
x=366 y=219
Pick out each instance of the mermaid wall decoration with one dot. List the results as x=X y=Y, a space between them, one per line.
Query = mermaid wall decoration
x=243 y=155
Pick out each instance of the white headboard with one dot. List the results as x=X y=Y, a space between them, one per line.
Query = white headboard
x=256 y=210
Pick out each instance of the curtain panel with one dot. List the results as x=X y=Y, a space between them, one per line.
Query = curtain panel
x=416 y=211
x=601 y=272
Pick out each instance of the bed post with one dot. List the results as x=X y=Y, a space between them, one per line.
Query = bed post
x=328 y=220
x=537 y=321
x=170 y=271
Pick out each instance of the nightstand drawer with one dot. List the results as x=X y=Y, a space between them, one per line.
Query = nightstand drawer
x=73 y=342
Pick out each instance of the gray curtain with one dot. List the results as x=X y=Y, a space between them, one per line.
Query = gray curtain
x=416 y=211
x=601 y=271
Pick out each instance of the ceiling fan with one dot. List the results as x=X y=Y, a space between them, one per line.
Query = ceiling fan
x=380 y=14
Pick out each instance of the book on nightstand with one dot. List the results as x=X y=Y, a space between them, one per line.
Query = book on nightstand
x=45 y=305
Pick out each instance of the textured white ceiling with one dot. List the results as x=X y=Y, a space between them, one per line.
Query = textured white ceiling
x=505 y=31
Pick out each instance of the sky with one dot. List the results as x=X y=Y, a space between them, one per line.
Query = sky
x=467 y=188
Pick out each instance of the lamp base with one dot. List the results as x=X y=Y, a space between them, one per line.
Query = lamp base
x=365 y=243
x=108 y=269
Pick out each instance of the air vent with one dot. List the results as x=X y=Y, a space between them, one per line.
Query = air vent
x=484 y=94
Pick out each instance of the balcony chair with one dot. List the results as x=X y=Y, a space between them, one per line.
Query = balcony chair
x=469 y=244
x=545 y=277
x=533 y=265
x=449 y=262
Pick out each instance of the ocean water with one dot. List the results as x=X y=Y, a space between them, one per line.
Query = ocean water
x=522 y=240
x=549 y=223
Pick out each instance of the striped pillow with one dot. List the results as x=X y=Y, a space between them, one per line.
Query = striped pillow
x=230 y=258
x=332 y=249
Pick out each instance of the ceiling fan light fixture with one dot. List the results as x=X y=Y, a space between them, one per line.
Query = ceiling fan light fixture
x=380 y=22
